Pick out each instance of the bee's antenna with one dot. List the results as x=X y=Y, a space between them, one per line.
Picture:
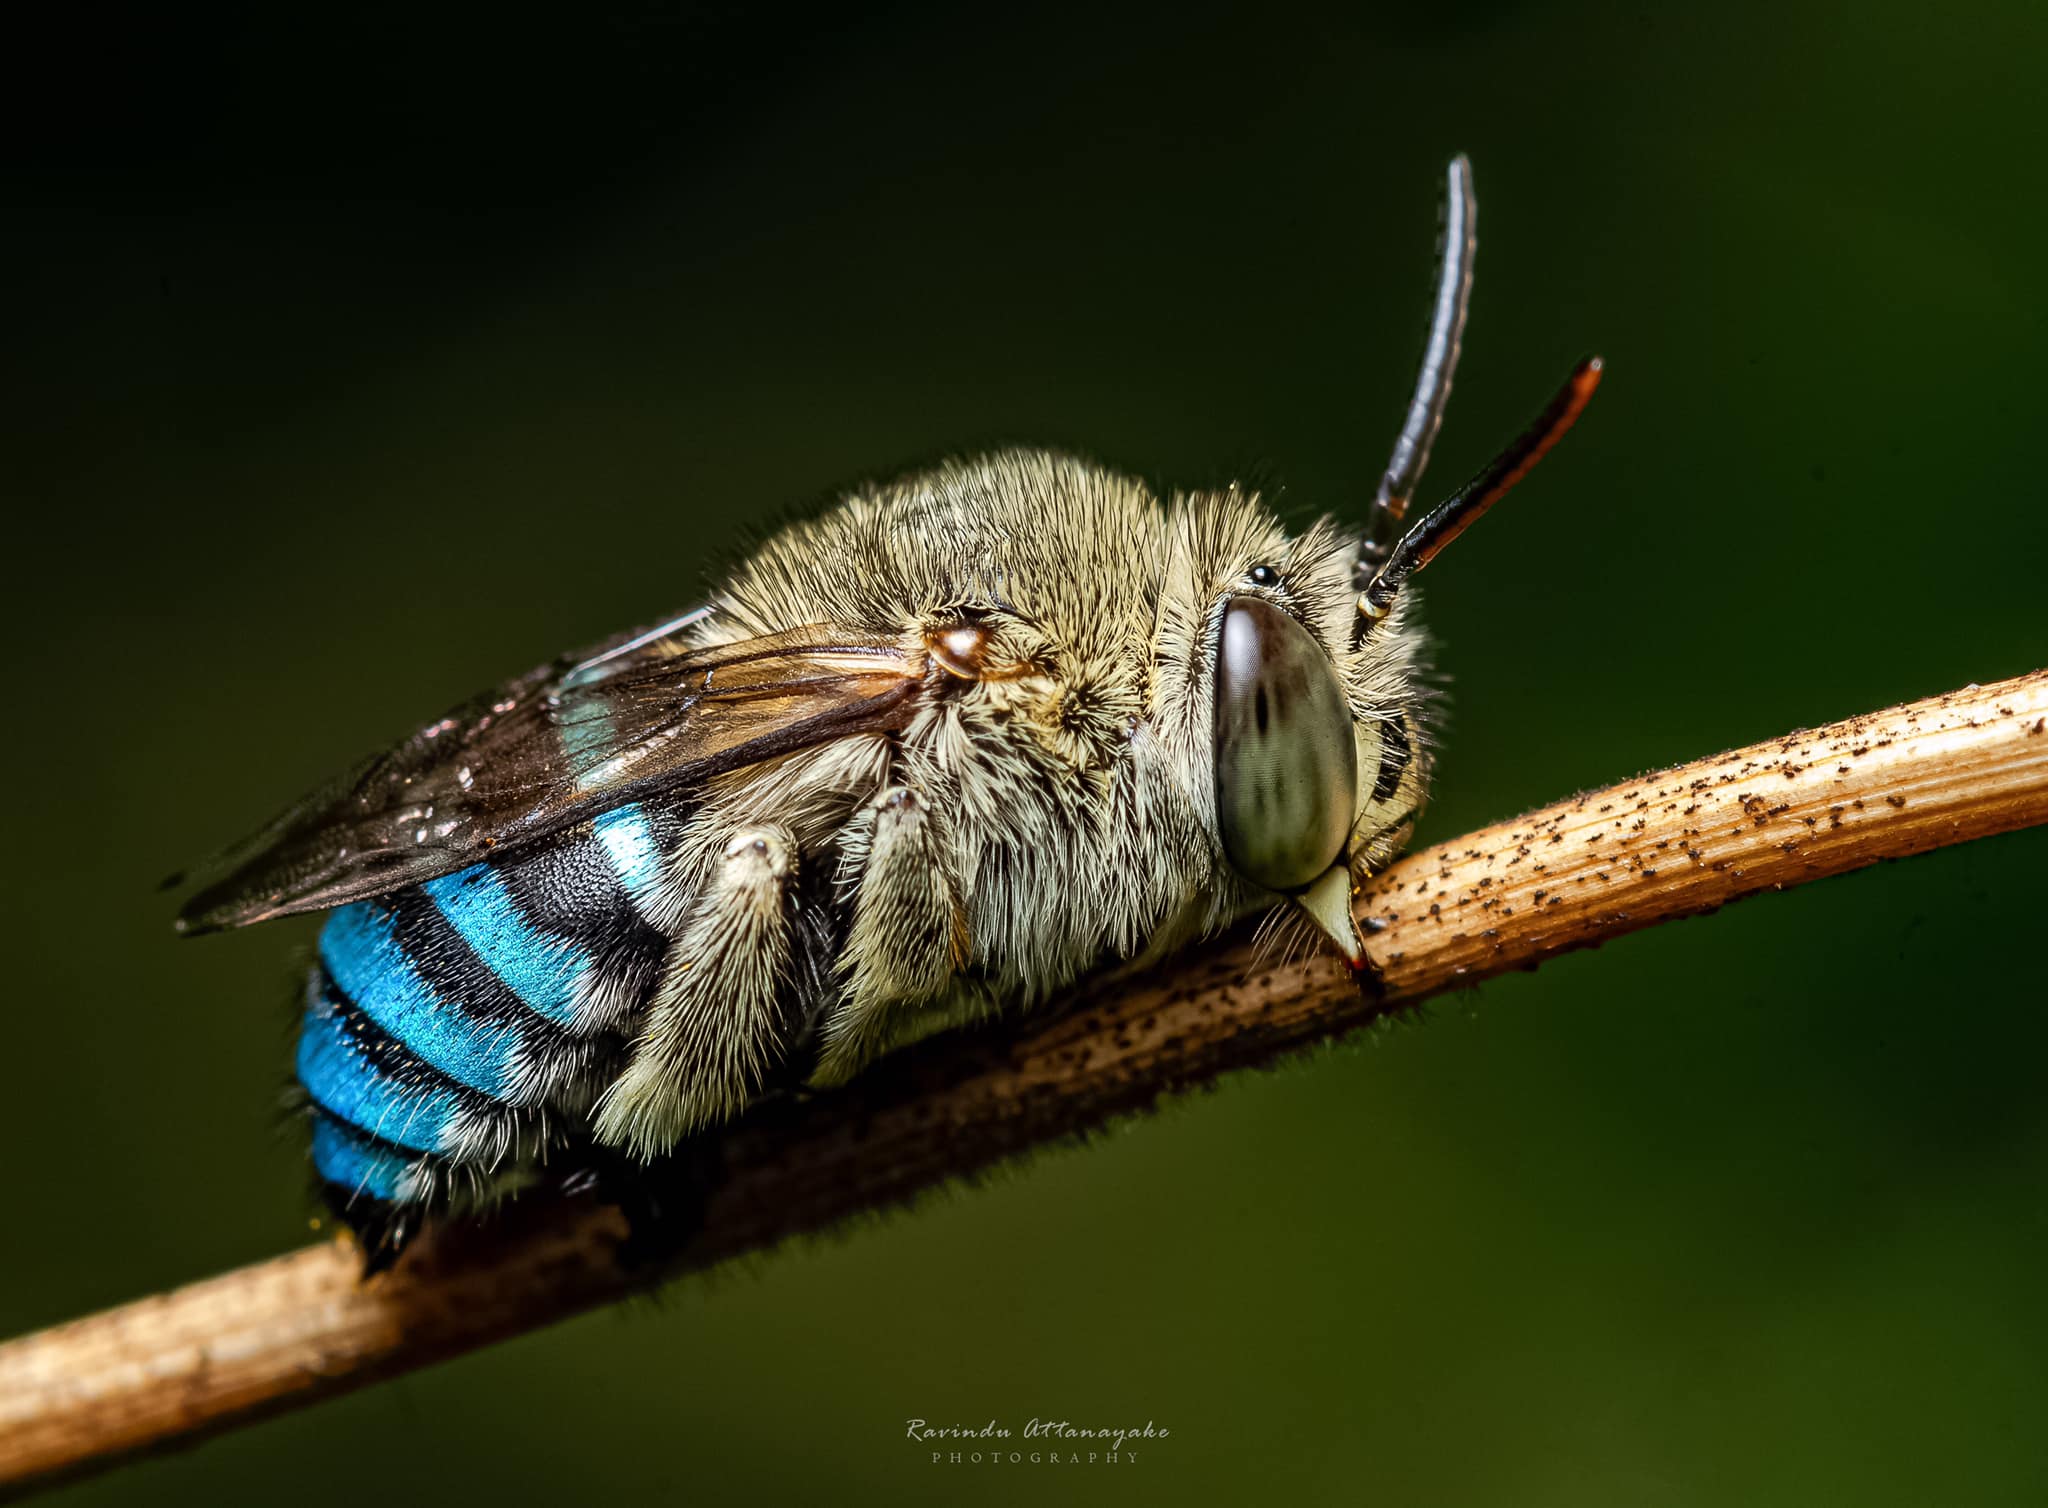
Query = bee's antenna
x=1456 y=249
x=1450 y=518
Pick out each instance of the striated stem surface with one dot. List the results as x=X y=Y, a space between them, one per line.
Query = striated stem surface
x=301 y=1327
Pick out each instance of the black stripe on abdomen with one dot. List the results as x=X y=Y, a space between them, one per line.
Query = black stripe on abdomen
x=572 y=896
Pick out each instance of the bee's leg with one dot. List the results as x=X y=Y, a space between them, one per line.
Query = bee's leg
x=1397 y=798
x=1371 y=981
x=908 y=937
x=664 y=1201
x=713 y=1026
x=382 y=1229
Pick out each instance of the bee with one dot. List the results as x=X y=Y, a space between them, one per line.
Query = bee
x=925 y=758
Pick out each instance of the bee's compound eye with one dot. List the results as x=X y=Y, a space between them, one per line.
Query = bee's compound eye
x=1286 y=762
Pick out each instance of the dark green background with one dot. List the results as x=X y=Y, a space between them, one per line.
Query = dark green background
x=356 y=362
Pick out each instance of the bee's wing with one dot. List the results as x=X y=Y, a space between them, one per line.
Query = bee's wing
x=557 y=746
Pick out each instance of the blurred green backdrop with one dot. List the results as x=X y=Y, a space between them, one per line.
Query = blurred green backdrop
x=358 y=362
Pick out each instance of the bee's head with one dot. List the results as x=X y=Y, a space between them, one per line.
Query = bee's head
x=1314 y=743
x=1315 y=697
x=1287 y=760
x=1313 y=734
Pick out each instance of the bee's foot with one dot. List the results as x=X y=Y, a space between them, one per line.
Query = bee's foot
x=664 y=1202
x=1371 y=983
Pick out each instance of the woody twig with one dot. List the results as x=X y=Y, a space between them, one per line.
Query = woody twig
x=284 y=1333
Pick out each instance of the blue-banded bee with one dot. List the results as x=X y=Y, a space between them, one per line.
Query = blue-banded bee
x=926 y=757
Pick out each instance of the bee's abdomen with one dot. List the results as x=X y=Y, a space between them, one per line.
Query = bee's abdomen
x=455 y=1030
